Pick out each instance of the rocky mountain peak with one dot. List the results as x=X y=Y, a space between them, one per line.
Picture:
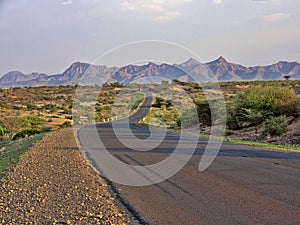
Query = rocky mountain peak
x=77 y=65
x=221 y=69
x=221 y=60
x=191 y=62
x=152 y=65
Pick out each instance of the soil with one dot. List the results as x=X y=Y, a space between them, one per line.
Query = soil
x=53 y=184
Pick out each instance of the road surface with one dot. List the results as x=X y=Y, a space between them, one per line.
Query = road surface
x=244 y=185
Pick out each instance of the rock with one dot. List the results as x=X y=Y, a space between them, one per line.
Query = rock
x=2 y=149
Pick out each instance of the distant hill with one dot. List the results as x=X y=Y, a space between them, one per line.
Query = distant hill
x=220 y=68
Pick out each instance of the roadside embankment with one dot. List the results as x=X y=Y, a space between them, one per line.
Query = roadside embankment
x=53 y=184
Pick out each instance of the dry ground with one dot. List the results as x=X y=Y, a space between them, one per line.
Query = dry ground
x=53 y=184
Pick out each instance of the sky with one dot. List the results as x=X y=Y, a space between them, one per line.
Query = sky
x=49 y=35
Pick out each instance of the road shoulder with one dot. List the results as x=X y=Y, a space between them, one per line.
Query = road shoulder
x=53 y=184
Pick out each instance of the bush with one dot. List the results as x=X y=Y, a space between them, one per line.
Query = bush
x=272 y=100
x=51 y=107
x=275 y=126
x=229 y=132
x=158 y=102
x=69 y=117
x=188 y=118
x=33 y=121
x=45 y=129
x=25 y=133
x=2 y=131
x=257 y=104
x=211 y=112
x=136 y=104
x=31 y=106
x=15 y=125
x=66 y=124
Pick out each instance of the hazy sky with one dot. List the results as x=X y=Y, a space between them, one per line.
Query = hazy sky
x=48 y=35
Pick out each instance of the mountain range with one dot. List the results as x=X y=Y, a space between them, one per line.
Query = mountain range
x=191 y=70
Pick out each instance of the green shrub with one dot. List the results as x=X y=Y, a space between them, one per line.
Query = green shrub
x=50 y=107
x=31 y=106
x=231 y=121
x=32 y=121
x=4 y=105
x=257 y=104
x=25 y=133
x=45 y=129
x=204 y=113
x=188 y=118
x=66 y=124
x=2 y=131
x=169 y=117
x=228 y=132
x=254 y=117
x=68 y=117
x=21 y=126
x=136 y=104
x=158 y=102
x=275 y=126
x=272 y=100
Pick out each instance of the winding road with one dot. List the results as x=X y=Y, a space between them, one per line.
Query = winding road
x=244 y=185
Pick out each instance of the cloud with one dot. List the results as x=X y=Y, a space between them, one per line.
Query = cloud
x=128 y=6
x=272 y=2
x=167 y=16
x=276 y=17
x=154 y=7
x=66 y=3
x=217 y=2
x=159 y=10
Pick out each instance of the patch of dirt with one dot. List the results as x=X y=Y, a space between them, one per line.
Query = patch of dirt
x=53 y=184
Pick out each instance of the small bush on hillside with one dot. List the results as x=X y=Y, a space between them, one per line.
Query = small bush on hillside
x=273 y=100
x=69 y=117
x=136 y=105
x=66 y=124
x=256 y=104
x=45 y=129
x=32 y=121
x=275 y=126
x=158 y=102
x=211 y=112
x=15 y=125
x=2 y=131
x=204 y=113
x=31 y=106
x=25 y=133
x=188 y=118
x=229 y=132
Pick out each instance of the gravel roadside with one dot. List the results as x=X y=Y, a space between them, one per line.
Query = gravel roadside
x=53 y=184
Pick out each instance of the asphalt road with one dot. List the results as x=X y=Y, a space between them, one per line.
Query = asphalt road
x=244 y=185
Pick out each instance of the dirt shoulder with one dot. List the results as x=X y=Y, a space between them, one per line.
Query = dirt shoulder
x=53 y=184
